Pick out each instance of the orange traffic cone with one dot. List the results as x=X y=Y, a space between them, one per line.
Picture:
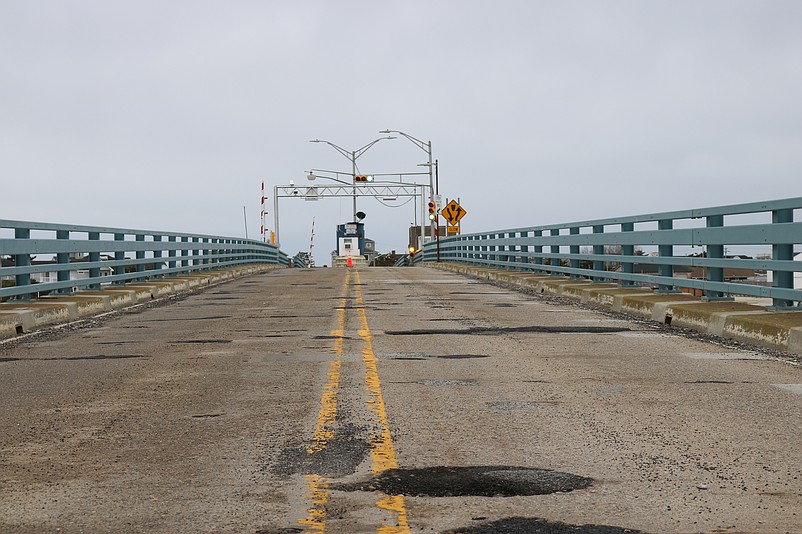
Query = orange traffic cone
x=350 y=261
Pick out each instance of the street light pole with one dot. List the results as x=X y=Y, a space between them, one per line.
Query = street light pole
x=353 y=156
x=426 y=147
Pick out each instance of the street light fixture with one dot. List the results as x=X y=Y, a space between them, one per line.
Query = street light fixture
x=353 y=155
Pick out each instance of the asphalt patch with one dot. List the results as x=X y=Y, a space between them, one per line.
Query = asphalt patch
x=477 y=481
x=479 y=293
x=90 y=357
x=200 y=341
x=340 y=457
x=447 y=382
x=499 y=330
x=209 y=318
x=461 y=356
x=534 y=525
x=105 y=357
x=514 y=405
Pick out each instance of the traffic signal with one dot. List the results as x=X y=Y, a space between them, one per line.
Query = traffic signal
x=363 y=178
x=432 y=210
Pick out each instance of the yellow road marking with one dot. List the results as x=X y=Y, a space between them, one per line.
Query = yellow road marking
x=382 y=451
x=315 y=520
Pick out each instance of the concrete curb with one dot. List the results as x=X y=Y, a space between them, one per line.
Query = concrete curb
x=22 y=317
x=748 y=323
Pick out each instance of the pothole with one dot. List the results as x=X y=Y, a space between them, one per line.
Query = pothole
x=535 y=525
x=478 y=481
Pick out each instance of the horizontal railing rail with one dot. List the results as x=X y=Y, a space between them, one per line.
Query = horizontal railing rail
x=607 y=250
x=88 y=257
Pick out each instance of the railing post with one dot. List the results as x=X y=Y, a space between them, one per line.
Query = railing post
x=194 y=253
x=524 y=250
x=574 y=249
x=184 y=252
x=171 y=252
x=62 y=259
x=666 y=251
x=140 y=255
x=94 y=256
x=22 y=260
x=554 y=249
x=157 y=255
x=782 y=252
x=627 y=267
x=715 y=274
x=214 y=251
x=119 y=255
x=538 y=250
x=598 y=265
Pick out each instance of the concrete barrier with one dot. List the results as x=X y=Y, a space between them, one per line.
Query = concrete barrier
x=22 y=317
x=749 y=323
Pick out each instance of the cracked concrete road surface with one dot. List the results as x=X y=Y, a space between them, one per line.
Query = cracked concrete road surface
x=391 y=400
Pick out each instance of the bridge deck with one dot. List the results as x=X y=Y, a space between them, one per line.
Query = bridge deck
x=412 y=399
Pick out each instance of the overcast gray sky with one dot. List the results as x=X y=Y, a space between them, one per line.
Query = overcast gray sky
x=169 y=114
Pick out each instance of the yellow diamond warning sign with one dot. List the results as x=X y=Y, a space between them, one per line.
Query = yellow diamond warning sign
x=453 y=212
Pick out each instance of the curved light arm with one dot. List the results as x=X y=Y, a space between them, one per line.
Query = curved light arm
x=339 y=149
x=420 y=144
x=358 y=152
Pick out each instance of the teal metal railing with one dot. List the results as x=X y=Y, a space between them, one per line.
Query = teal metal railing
x=87 y=257
x=611 y=250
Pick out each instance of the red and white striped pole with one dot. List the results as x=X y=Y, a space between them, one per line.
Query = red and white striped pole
x=263 y=230
x=312 y=244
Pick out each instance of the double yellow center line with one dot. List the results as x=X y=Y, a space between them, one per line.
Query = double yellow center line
x=382 y=451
